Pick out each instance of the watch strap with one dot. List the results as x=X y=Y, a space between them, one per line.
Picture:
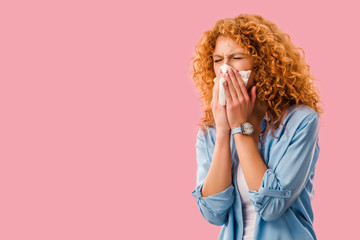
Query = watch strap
x=236 y=130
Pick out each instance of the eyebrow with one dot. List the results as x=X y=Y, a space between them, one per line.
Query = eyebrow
x=230 y=55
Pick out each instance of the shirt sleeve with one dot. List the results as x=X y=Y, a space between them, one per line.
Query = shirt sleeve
x=214 y=208
x=282 y=185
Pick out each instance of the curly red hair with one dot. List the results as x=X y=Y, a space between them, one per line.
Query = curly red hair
x=281 y=74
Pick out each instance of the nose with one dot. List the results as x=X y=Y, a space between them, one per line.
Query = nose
x=226 y=61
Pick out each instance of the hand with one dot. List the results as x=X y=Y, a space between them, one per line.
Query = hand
x=239 y=106
x=218 y=110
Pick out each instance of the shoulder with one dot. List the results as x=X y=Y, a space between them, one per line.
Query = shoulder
x=299 y=115
x=207 y=136
x=300 y=119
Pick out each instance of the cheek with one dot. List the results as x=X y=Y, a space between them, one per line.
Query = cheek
x=243 y=66
x=216 y=69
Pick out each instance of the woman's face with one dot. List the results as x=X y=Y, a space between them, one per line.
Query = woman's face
x=227 y=51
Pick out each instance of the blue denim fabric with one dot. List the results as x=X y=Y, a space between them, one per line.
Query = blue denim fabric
x=283 y=202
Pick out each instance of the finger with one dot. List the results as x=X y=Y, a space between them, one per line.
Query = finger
x=214 y=84
x=253 y=95
x=242 y=86
x=218 y=73
x=235 y=83
x=227 y=93
x=231 y=88
x=216 y=90
x=215 y=81
x=217 y=77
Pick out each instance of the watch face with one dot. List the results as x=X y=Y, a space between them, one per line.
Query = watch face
x=248 y=128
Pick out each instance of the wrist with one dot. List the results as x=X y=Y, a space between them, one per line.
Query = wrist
x=245 y=128
x=236 y=125
x=222 y=132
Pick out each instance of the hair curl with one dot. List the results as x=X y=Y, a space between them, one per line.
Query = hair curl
x=281 y=74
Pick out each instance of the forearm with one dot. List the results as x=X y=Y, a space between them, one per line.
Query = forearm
x=219 y=175
x=251 y=162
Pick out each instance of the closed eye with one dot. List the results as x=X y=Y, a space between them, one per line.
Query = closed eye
x=221 y=60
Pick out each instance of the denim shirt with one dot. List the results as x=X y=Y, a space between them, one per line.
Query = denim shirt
x=283 y=202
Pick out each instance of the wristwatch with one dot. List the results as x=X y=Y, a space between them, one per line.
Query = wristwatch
x=245 y=128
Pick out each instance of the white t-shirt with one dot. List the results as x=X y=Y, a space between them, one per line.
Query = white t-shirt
x=249 y=213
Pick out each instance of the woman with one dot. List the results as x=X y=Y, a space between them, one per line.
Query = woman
x=256 y=155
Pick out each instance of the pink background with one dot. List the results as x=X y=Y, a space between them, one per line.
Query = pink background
x=98 y=115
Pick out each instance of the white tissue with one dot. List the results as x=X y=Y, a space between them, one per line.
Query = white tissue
x=244 y=76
